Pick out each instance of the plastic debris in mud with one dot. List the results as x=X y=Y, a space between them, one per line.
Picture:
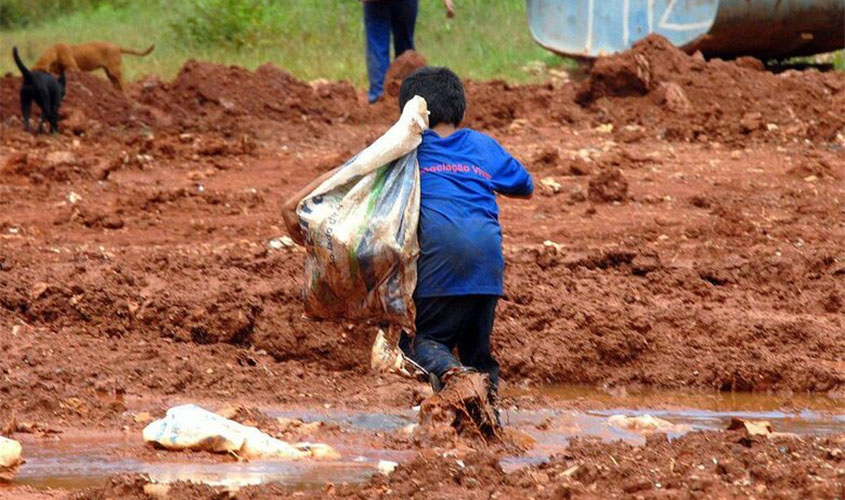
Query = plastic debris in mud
x=190 y=427
x=281 y=242
x=642 y=423
x=386 y=467
x=386 y=357
x=752 y=428
x=10 y=458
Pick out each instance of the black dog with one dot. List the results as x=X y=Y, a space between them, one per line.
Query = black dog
x=45 y=90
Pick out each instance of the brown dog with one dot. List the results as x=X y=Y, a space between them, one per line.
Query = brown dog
x=88 y=57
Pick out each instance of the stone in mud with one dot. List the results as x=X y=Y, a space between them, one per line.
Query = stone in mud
x=579 y=166
x=54 y=158
x=673 y=98
x=10 y=459
x=157 y=491
x=546 y=157
x=751 y=122
x=550 y=186
x=608 y=186
x=751 y=63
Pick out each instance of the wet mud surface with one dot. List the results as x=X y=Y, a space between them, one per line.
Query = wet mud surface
x=694 y=241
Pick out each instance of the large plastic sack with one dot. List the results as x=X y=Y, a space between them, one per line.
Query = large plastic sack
x=190 y=427
x=360 y=230
x=10 y=458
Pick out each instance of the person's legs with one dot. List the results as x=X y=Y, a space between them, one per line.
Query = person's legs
x=438 y=325
x=403 y=19
x=377 y=30
x=474 y=340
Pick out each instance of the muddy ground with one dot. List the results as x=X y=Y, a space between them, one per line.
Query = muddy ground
x=690 y=235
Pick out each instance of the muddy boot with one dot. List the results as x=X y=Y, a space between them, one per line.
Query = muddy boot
x=449 y=375
x=461 y=404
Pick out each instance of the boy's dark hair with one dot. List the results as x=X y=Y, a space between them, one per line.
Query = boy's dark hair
x=442 y=90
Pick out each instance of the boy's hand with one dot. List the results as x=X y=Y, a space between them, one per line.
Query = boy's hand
x=292 y=224
x=450 y=9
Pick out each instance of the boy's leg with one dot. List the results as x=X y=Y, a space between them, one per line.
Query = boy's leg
x=377 y=30
x=403 y=17
x=438 y=325
x=474 y=341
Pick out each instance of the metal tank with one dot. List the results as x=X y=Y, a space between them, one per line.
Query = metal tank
x=766 y=29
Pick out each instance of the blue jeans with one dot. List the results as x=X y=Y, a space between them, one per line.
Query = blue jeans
x=380 y=18
x=464 y=322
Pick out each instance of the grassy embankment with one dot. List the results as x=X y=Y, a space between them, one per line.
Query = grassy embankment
x=310 y=38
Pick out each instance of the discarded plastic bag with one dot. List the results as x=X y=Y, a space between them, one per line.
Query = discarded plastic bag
x=189 y=427
x=386 y=357
x=10 y=458
x=360 y=230
x=641 y=423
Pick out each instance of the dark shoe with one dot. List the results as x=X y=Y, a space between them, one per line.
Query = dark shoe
x=495 y=404
x=436 y=386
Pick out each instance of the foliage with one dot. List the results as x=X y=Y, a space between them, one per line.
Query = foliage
x=236 y=23
x=310 y=38
x=23 y=13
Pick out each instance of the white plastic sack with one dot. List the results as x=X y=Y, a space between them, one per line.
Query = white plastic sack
x=193 y=428
x=641 y=423
x=10 y=458
x=360 y=230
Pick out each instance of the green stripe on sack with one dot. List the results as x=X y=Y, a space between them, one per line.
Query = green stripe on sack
x=372 y=199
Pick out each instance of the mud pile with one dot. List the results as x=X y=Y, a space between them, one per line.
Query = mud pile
x=651 y=89
x=204 y=90
x=400 y=68
x=655 y=85
x=88 y=97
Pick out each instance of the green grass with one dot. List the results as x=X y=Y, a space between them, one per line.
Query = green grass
x=839 y=60
x=310 y=38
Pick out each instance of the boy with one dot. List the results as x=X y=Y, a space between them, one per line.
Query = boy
x=461 y=263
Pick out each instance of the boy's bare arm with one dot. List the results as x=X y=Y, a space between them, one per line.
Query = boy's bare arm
x=289 y=208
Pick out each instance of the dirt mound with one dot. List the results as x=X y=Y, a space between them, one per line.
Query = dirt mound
x=656 y=85
x=205 y=90
x=89 y=97
x=400 y=68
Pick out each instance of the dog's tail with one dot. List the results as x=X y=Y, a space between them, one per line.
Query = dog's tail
x=136 y=53
x=25 y=72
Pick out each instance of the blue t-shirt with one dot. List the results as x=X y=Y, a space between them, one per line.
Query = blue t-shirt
x=459 y=232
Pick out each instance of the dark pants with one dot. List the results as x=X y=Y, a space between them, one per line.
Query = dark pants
x=380 y=18
x=445 y=323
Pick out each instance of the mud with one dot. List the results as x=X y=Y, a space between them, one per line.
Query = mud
x=135 y=269
x=698 y=465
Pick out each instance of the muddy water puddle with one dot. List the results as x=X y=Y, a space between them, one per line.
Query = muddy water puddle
x=75 y=463
x=81 y=462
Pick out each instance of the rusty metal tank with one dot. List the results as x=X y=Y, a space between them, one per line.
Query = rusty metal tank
x=766 y=29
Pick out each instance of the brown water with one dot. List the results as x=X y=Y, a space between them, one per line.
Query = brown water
x=80 y=462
